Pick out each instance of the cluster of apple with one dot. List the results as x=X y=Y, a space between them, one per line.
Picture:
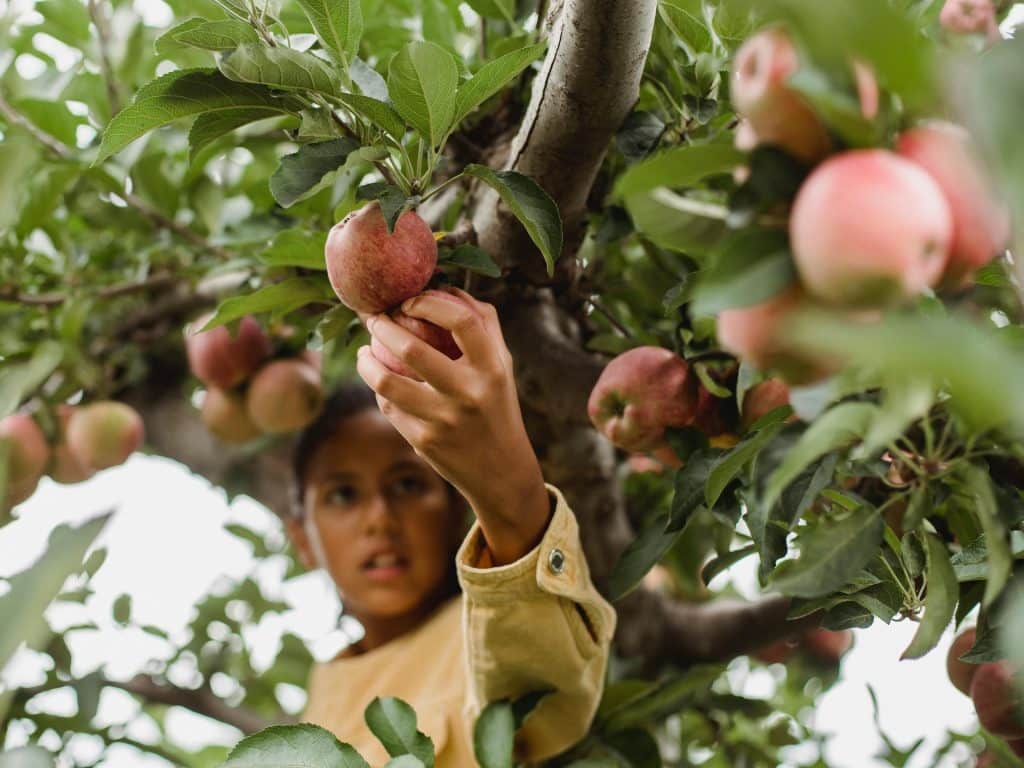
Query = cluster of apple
x=373 y=271
x=248 y=394
x=992 y=688
x=869 y=228
x=646 y=390
x=825 y=645
x=87 y=438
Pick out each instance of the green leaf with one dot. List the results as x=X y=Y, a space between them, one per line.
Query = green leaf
x=494 y=736
x=294 y=746
x=1010 y=633
x=690 y=483
x=18 y=380
x=223 y=35
x=301 y=172
x=940 y=602
x=905 y=401
x=492 y=77
x=279 y=298
x=123 y=609
x=393 y=722
x=640 y=556
x=404 y=761
x=369 y=80
x=730 y=465
x=393 y=201
x=210 y=126
x=168 y=43
x=723 y=563
x=283 y=68
x=95 y=561
x=677 y=222
x=187 y=94
x=686 y=20
x=473 y=258
x=750 y=266
x=297 y=248
x=678 y=167
x=32 y=590
x=530 y=204
x=338 y=24
x=377 y=112
x=494 y=9
x=836 y=428
x=831 y=553
x=26 y=757
x=423 y=80
x=1000 y=558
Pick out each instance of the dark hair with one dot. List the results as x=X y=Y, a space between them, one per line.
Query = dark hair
x=349 y=399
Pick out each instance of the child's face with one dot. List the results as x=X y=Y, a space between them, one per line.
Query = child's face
x=386 y=521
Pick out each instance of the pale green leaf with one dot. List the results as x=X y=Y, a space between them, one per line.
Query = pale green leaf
x=377 y=112
x=210 y=126
x=297 y=248
x=293 y=746
x=223 y=35
x=393 y=722
x=282 y=68
x=301 y=172
x=279 y=298
x=422 y=81
x=492 y=77
x=338 y=24
x=940 y=601
x=494 y=736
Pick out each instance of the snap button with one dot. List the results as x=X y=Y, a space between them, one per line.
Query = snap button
x=556 y=561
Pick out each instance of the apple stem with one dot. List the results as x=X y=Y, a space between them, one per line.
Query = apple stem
x=616 y=323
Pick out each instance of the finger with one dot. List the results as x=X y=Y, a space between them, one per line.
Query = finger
x=466 y=323
x=490 y=314
x=430 y=364
x=410 y=396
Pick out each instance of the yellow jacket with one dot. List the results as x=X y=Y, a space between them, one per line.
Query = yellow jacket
x=535 y=624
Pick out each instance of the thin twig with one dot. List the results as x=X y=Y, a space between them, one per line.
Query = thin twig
x=103 y=33
x=596 y=304
x=109 y=292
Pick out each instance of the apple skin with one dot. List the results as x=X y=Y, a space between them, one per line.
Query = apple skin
x=105 y=433
x=225 y=415
x=870 y=229
x=1017 y=747
x=756 y=335
x=639 y=394
x=372 y=271
x=961 y=673
x=284 y=396
x=219 y=360
x=828 y=645
x=28 y=451
x=761 y=399
x=776 y=114
x=778 y=652
x=981 y=222
x=996 y=700
x=439 y=338
x=67 y=467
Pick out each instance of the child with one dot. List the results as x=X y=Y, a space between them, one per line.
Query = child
x=382 y=503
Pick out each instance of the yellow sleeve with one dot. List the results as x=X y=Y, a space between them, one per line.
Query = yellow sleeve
x=537 y=624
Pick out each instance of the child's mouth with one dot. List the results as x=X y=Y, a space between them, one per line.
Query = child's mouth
x=385 y=566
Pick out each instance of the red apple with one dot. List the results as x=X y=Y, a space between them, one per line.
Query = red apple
x=969 y=17
x=1017 y=747
x=66 y=466
x=225 y=415
x=763 y=398
x=708 y=415
x=104 y=434
x=639 y=394
x=981 y=222
x=961 y=673
x=776 y=113
x=373 y=271
x=436 y=336
x=996 y=700
x=219 y=360
x=778 y=652
x=870 y=228
x=27 y=449
x=828 y=645
x=284 y=396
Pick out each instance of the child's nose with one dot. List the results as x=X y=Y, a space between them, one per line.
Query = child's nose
x=380 y=515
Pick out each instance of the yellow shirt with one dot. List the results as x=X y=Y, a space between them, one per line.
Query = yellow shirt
x=535 y=624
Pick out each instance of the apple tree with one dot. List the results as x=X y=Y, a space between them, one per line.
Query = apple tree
x=806 y=210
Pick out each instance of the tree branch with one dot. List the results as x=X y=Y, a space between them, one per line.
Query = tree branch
x=103 y=36
x=153 y=282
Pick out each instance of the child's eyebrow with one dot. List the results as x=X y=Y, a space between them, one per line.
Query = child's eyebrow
x=406 y=464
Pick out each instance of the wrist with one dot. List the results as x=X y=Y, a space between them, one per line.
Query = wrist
x=514 y=522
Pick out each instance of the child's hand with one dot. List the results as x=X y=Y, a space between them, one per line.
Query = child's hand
x=464 y=417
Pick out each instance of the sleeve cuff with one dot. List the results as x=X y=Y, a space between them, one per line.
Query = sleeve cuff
x=555 y=566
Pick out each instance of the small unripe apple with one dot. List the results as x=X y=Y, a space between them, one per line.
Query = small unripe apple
x=284 y=396
x=373 y=271
x=639 y=394
x=225 y=415
x=763 y=398
x=439 y=338
x=758 y=335
x=981 y=222
x=828 y=645
x=27 y=450
x=961 y=673
x=219 y=360
x=104 y=434
x=869 y=228
x=969 y=17
x=996 y=700
x=776 y=113
x=66 y=466
x=778 y=652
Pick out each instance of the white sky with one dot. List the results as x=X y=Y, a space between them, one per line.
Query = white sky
x=167 y=546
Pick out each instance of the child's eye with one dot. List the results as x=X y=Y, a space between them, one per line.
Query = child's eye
x=408 y=484
x=343 y=494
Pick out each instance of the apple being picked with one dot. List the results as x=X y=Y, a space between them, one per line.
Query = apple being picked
x=373 y=271
x=436 y=336
x=639 y=394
